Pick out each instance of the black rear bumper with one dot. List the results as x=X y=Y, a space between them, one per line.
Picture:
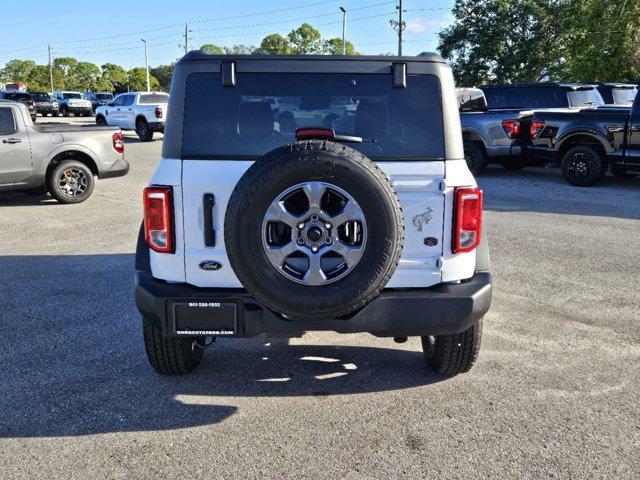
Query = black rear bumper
x=446 y=308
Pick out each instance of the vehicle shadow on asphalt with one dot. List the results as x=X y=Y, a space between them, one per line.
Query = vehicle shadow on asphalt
x=17 y=199
x=507 y=191
x=74 y=362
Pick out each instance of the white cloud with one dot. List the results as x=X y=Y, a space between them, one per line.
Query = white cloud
x=419 y=25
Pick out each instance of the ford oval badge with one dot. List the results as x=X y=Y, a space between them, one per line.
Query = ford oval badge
x=210 y=265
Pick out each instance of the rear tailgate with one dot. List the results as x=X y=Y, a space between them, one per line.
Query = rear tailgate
x=418 y=185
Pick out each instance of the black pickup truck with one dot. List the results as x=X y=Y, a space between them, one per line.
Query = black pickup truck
x=585 y=142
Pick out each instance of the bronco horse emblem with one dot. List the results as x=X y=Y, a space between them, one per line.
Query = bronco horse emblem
x=423 y=219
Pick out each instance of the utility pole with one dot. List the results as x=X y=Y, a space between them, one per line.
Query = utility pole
x=50 y=67
x=344 y=31
x=399 y=26
x=146 y=63
x=186 y=38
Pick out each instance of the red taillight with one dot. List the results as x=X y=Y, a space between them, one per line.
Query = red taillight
x=468 y=220
x=158 y=218
x=118 y=142
x=314 y=134
x=158 y=112
x=536 y=128
x=511 y=128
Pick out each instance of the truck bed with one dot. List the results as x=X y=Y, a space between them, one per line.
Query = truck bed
x=67 y=128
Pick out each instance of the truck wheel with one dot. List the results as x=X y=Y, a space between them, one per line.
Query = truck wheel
x=314 y=230
x=70 y=182
x=475 y=157
x=168 y=355
x=145 y=134
x=100 y=121
x=455 y=353
x=582 y=166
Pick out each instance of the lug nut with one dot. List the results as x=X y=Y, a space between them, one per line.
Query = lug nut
x=301 y=225
x=327 y=226
x=327 y=241
x=314 y=218
x=300 y=241
x=314 y=248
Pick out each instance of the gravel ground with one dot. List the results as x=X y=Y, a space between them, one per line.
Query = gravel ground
x=554 y=393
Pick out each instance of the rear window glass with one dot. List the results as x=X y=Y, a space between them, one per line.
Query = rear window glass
x=524 y=98
x=69 y=96
x=585 y=98
x=154 y=98
x=624 y=95
x=263 y=111
x=7 y=124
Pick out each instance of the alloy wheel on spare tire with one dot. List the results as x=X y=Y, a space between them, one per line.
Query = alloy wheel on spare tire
x=314 y=230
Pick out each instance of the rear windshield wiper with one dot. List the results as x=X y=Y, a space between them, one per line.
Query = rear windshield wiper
x=352 y=139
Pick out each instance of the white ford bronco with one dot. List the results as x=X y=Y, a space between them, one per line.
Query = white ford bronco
x=368 y=221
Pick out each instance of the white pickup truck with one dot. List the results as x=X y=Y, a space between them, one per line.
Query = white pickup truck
x=144 y=112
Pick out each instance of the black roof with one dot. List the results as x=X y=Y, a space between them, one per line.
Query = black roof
x=423 y=57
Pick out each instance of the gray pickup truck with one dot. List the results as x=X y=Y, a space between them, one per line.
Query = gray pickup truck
x=60 y=159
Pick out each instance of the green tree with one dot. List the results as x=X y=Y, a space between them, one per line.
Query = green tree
x=163 y=73
x=113 y=79
x=274 y=44
x=212 y=49
x=502 y=40
x=239 y=50
x=137 y=80
x=17 y=70
x=600 y=41
x=86 y=77
x=333 y=46
x=39 y=79
x=305 y=39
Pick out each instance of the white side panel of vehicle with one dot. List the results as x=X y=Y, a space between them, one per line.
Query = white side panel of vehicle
x=170 y=266
x=457 y=266
x=418 y=185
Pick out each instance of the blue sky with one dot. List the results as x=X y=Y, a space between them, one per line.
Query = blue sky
x=106 y=34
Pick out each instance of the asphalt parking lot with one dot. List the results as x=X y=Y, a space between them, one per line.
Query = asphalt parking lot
x=555 y=392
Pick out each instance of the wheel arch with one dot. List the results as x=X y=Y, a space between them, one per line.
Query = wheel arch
x=77 y=154
x=587 y=139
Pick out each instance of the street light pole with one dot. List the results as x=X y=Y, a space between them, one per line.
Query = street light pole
x=344 y=31
x=50 y=68
x=146 y=64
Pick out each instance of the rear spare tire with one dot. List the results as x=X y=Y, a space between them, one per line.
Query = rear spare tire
x=314 y=230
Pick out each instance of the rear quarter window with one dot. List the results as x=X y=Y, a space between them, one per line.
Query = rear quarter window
x=7 y=122
x=263 y=111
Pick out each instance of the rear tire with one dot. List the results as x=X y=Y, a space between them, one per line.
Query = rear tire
x=455 y=353
x=77 y=188
x=582 y=166
x=169 y=355
x=476 y=158
x=101 y=121
x=145 y=134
